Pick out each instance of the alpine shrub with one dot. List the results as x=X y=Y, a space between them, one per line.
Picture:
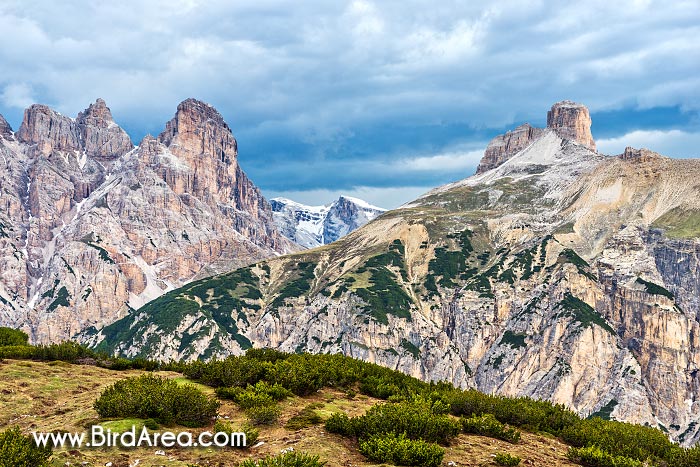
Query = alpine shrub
x=593 y=456
x=150 y=396
x=487 y=425
x=17 y=450
x=263 y=414
x=305 y=418
x=415 y=419
x=505 y=459
x=341 y=424
x=399 y=450
x=9 y=336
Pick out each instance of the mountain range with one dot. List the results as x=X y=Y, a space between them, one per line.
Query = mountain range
x=555 y=272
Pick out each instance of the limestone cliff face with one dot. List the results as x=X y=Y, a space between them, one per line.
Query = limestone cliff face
x=505 y=146
x=571 y=121
x=561 y=274
x=91 y=226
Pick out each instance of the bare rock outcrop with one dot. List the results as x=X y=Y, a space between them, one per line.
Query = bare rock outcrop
x=45 y=130
x=101 y=137
x=505 y=146
x=571 y=121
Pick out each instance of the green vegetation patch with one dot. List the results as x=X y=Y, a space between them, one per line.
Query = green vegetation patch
x=680 y=223
x=515 y=340
x=224 y=299
x=62 y=299
x=570 y=256
x=287 y=459
x=606 y=411
x=409 y=347
x=298 y=287
x=385 y=296
x=448 y=265
x=655 y=289
x=582 y=313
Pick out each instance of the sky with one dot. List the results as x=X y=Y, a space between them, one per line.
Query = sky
x=382 y=100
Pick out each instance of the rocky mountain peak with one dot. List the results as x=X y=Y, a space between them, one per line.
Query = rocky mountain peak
x=503 y=147
x=198 y=128
x=572 y=121
x=5 y=128
x=47 y=130
x=101 y=137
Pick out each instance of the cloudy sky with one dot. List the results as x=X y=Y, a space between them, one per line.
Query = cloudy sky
x=377 y=99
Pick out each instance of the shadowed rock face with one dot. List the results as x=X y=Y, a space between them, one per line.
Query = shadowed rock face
x=571 y=121
x=505 y=146
x=91 y=226
x=5 y=128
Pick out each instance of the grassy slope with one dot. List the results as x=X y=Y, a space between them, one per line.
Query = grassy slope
x=59 y=396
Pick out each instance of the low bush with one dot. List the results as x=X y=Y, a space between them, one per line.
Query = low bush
x=399 y=450
x=305 y=418
x=505 y=459
x=534 y=415
x=262 y=393
x=17 y=450
x=593 y=456
x=263 y=415
x=415 y=419
x=150 y=396
x=9 y=336
x=487 y=425
x=622 y=439
x=340 y=424
x=288 y=459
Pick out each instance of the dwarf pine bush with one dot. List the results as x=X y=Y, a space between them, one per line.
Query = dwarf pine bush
x=17 y=450
x=487 y=425
x=150 y=396
x=399 y=450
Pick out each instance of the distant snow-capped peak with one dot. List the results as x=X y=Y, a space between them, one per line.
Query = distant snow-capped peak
x=312 y=226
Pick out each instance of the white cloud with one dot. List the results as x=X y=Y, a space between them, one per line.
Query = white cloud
x=449 y=161
x=18 y=95
x=672 y=143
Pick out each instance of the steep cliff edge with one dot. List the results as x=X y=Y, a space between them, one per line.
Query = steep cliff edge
x=561 y=274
